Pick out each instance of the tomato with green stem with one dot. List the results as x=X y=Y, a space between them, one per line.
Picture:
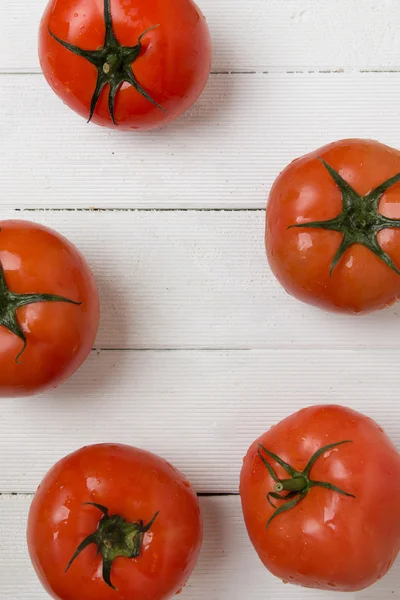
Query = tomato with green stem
x=333 y=226
x=114 y=522
x=49 y=308
x=136 y=64
x=320 y=495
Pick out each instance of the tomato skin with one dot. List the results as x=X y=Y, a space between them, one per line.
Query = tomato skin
x=301 y=258
x=173 y=67
x=36 y=259
x=328 y=541
x=129 y=482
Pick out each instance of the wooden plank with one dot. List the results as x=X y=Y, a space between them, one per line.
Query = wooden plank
x=257 y=35
x=199 y=409
x=200 y=280
x=225 y=153
x=228 y=566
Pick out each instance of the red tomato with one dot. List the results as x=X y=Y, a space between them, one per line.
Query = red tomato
x=49 y=308
x=320 y=535
x=332 y=221
x=114 y=522
x=135 y=64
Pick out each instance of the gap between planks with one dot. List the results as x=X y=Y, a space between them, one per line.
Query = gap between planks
x=138 y=209
x=199 y=494
x=287 y=71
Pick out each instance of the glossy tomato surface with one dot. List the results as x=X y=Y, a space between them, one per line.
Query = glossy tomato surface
x=328 y=540
x=131 y=483
x=59 y=335
x=301 y=258
x=172 y=67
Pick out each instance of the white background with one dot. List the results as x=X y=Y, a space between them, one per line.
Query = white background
x=199 y=349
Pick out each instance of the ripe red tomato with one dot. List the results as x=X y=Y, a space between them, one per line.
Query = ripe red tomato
x=49 y=308
x=332 y=220
x=131 y=64
x=111 y=517
x=336 y=525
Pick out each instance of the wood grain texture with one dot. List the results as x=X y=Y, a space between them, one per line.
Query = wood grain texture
x=228 y=566
x=199 y=280
x=199 y=409
x=255 y=35
x=224 y=153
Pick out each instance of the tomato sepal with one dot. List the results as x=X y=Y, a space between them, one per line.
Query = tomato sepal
x=360 y=220
x=113 y=63
x=114 y=537
x=10 y=302
x=300 y=484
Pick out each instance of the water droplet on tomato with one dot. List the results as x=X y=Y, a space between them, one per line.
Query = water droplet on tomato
x=329 y=452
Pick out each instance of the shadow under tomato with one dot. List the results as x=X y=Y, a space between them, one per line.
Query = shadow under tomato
x=214 y=104
x=386 y=588
x=215 y=543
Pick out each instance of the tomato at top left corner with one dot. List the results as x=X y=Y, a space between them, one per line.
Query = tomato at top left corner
x=126 y=64
x=49 y=308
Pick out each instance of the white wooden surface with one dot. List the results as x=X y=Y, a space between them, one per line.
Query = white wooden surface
x=199 y=349
x=199 y=409
x=224 y=153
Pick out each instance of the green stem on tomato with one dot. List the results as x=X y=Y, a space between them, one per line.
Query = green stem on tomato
x=113 y=63
x=299 y=484
x=114 y=537
x=360 y=220
x=10 y=302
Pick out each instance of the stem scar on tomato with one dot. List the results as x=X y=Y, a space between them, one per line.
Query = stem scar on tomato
x=113 y=63
x=114 y=537
x=300 y=483
x=360 y=220
x=11 y=302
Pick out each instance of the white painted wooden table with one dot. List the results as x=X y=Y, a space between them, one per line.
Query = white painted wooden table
x=199 y=349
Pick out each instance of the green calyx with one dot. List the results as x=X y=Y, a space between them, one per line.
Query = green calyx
x=360 y=220
x=299 y=484
x=113 y=63
x=114 y=537
x=11 y=302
